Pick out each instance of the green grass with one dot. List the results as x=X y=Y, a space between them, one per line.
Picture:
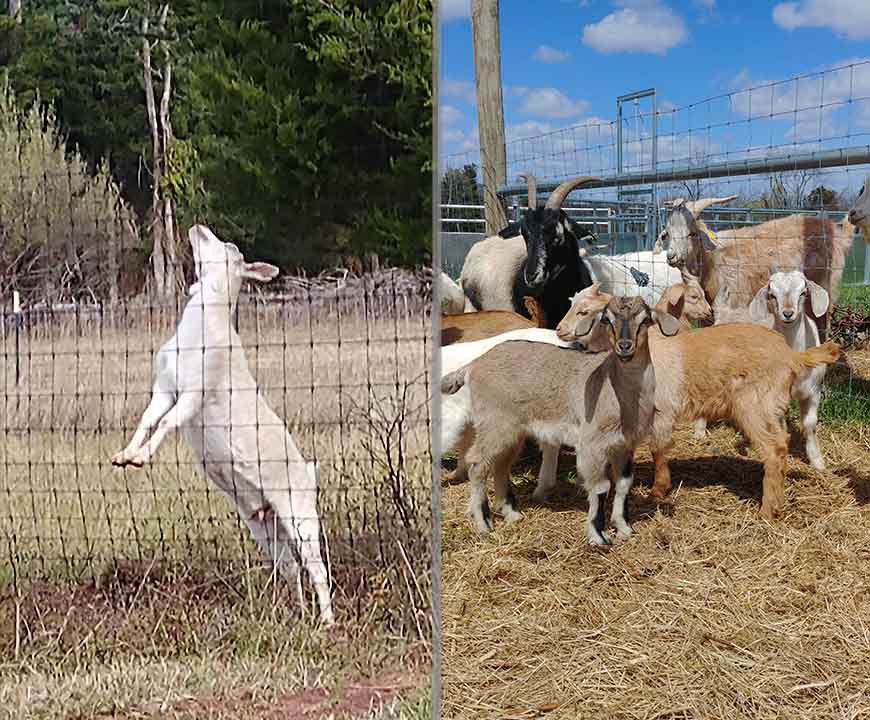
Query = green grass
x=854 y=295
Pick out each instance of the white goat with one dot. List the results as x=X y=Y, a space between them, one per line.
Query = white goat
x=645 y=274
x=204 y=389
x=786 y=297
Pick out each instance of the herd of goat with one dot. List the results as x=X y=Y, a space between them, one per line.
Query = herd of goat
x=543 y=340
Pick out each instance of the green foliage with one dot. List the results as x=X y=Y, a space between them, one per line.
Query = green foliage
x=302 y=128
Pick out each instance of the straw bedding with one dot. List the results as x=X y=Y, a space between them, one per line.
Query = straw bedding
x=707 y=611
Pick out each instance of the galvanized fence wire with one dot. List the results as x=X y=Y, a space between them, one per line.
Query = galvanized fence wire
x=341 y=359
x=800 y=146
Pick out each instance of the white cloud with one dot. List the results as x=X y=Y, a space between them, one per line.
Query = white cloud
x=550 y=55
x=463 y=89
x=450 y=115
x=452 y=136
x=455 y=10
x=642 y=26
x=549 y=103
x=850 y=18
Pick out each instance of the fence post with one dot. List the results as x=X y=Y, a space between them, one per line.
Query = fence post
x=16 y=313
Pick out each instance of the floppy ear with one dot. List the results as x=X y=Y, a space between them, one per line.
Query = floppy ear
x=707 y=241
x=512 y=230
x=758 y=310
x=259 y=271
x=582 y=233
x=586 y=323
x=675 y=294
x=819 y=298
x=668 y=324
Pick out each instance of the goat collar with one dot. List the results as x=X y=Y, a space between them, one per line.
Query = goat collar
x=711 y=235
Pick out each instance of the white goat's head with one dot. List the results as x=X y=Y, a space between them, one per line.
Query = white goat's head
x=221 y=267
x=685 y=235
x=785 y=297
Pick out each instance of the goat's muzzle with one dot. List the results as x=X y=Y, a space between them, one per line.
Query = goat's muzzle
x=625 y=349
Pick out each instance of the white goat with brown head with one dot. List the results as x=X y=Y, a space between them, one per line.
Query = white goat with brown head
x=204 y=389
x=795 y=302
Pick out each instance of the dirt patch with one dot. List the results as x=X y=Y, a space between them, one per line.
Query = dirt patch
x=354 y=700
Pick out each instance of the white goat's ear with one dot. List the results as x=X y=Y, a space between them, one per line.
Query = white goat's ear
x=819 y=298
x=758 y=310
x=668 y=324
x=259 y=271
x=195 y=288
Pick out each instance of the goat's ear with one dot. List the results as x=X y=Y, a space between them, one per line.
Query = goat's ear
x=675 y=294
x=668 y=324
x=586 y=323
x=259 y=271
x=758 y=310
x=195 y=288
x=512 y=230
x=819 y=299
x=707 y=240
x=582 y=233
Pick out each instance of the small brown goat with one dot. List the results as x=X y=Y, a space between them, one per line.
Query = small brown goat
x=600 y=403
x=468 y=327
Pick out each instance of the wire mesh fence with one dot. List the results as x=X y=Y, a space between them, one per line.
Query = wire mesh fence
x=341 y=358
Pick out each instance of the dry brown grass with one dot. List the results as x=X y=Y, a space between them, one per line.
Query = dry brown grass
x=119 y=588
x=706 y=612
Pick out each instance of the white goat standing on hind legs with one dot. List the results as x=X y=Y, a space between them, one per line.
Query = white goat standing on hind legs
x=204 y=389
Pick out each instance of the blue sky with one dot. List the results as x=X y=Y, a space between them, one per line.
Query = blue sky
x=565 y=61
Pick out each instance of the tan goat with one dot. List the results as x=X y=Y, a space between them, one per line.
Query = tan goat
x=600 y=403
x=468 y=327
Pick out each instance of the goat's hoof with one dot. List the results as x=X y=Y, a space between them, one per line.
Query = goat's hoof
x=540 y=496
x=482 y=524
x=120 y=459
x=817 y=463
x=624 y=533
x=599 y=539
x=512 y=516
x=658 y=492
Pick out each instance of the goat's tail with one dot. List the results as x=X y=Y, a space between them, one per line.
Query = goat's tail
x=819 y=355
x=453 y=382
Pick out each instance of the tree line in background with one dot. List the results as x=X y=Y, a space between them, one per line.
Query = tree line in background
x=298 y=129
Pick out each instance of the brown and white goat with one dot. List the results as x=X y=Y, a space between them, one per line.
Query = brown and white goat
x=599 y=403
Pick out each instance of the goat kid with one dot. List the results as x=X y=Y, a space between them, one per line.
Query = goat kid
x=601 y=404
x=204 y=389
x=791 y=299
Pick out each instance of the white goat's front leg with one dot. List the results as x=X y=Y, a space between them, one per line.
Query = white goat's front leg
x=188 y=405
x=161 y=402
x=547 y=474
x=593 y=473
x=700 y=426
x=623 y=465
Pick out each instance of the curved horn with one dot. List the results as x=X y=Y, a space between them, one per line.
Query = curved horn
x=532 y=182
x=557 y=197
x=696 y=207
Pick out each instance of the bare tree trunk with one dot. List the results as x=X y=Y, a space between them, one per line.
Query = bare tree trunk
x=15 y=10
x=161 y=221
